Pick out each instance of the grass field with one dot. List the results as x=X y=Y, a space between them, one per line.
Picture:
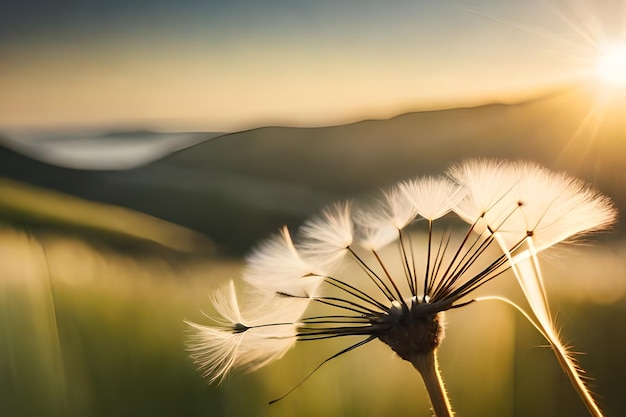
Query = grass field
x=93 y=330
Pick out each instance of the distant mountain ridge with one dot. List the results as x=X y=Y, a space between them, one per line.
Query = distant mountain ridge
x=241 y=186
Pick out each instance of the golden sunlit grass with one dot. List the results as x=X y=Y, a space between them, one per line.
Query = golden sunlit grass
x=72 y=313
x=118 y=344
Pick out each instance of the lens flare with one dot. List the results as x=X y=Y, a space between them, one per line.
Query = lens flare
x=611 y=65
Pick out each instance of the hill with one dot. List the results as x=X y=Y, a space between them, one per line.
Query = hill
x=117 y=227
x=241 y=186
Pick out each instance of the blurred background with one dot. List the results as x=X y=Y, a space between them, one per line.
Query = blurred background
x=146 y=147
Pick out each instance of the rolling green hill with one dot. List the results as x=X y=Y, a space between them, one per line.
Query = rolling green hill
x=238 y=187
x=36 y=208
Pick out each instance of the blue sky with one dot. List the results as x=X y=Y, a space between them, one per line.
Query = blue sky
x=224 y=65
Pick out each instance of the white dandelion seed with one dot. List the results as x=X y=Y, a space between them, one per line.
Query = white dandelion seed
x=517 y=208
x=244 y=340
x=380 y=223
x=432 y=197
x=277 y=266
x=536 y=209
x=326 y=237
x=484 y=191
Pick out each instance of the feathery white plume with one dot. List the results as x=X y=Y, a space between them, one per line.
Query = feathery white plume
x=241 y=340
x=432 y=197
x=380 y=223
x=276 y=266
x=530 y=209
x=521 y=198
x=554 y=207
x=487 y=188
x=326 y=237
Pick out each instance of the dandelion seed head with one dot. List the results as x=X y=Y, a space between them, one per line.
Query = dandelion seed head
x=510 y=210
x=419 y=336
x=432 y=197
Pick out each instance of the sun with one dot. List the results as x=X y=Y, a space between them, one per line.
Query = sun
x=611 y=65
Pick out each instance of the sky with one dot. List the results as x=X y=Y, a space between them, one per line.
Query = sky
x=229 y=65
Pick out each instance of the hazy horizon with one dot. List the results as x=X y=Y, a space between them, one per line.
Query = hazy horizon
x=227 y=67
x=116 y=147
x=73 y=129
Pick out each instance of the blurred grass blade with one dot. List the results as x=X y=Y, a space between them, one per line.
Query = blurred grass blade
x=31 y=365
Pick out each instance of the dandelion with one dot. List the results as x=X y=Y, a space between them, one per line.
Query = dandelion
x=386 y=271
x=538 y=208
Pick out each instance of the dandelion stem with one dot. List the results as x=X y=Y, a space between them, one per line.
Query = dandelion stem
x=428 y=366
